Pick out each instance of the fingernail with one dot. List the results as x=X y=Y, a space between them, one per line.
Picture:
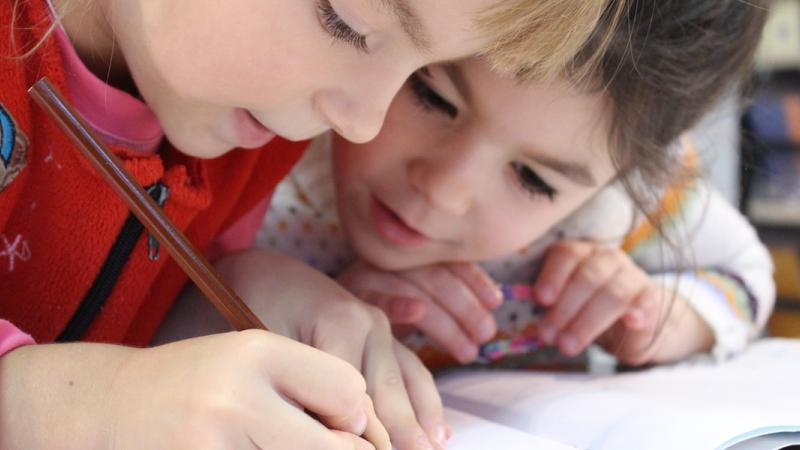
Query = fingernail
x=487 y=329
x=546 y=295
x=359 y=423
x=402 y=309
x=467 y=353
x=423 y=443
x=547 y=333
x=440 y=435
x=635 y=318
x=568 y=345
x=497 y=298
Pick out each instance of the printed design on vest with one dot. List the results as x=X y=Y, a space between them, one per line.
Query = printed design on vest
x=13 y=148
x=13 y=250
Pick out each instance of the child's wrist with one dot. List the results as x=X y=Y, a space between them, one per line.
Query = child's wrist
x=685 y=333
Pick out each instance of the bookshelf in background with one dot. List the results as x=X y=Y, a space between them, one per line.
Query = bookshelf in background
x=771 y=158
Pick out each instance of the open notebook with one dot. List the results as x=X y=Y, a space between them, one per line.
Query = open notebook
x=693 y=405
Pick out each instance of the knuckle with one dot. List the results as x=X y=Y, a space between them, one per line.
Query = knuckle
x=617 y=293
x=377 y=317
x=570 y=250
x=591 y=274
x=251 y=344
x=392 y=378
x=437 y=274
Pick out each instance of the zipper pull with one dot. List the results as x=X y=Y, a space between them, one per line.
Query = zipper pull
x=160 y=193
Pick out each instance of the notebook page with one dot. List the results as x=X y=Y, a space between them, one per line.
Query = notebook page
x=474 y=433
x=695 y=405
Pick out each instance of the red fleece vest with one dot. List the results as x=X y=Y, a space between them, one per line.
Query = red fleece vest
x=59 y=218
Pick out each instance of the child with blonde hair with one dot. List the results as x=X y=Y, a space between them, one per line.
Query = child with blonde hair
x=577 y=193
x=179 y=89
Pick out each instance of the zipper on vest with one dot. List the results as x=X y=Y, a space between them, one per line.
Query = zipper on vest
x=160 y=195
x=109 y=273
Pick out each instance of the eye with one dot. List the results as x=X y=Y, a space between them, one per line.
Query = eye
x=532 y=182
x=338 y=28
x=429 y=99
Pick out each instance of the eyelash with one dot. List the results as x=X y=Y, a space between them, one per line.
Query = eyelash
x=532 y=182
x=429 y=99
x=338 y=28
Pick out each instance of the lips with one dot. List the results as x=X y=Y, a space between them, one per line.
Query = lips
x=250 y=133
x=392 y=228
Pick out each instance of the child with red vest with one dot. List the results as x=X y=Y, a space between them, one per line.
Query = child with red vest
x=178 y=89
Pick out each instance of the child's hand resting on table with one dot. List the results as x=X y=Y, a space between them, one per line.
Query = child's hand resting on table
x=590 y=294
x=451 y=303
x=593 y=293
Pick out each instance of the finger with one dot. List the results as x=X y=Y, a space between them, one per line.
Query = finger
x=647 y=312
x=481 y=284
x=332 y=390
x=296 y=430
x=399 y=309
x=560 y=261
x=442 y=329
x=453 y=296
x=387 y=388
x=590 y=276
x=348 y=342
x=605 y=308
x=424 y=396
x=375 y=432
x=635 y=346
x=348 y=441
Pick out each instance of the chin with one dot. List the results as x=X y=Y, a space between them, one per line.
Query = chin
x=203 y=148
x=391 y=261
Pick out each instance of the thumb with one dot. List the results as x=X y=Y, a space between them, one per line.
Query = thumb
x=399 y=309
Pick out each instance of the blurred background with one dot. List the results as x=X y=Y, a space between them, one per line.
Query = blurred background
x=750 y=145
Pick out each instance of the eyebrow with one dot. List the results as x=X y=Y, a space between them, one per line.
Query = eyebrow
x=576 y=172
x=410 y=22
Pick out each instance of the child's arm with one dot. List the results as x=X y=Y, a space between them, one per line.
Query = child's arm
x=714 y=259
x=236 y=391
x=299 y=302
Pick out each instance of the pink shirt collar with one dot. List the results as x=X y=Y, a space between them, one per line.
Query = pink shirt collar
x=118 y=117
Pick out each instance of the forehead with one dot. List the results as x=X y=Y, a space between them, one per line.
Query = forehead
x=551 y=117
x=449 y=28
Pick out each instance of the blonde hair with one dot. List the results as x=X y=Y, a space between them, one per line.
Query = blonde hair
x=27 y=52
x=531 y=39
x=538 y=39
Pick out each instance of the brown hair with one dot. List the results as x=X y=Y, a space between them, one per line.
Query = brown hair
x=667 y=62
x=664 y=65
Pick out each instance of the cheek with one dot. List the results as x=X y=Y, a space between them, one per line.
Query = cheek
x=505 y=234
x=397 y=143
x=221 y=56
x=510 y=226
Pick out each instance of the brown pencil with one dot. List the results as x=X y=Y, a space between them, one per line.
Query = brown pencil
x=146 y=210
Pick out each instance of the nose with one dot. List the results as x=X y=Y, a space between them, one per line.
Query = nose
x=448 y=181
x=356 y=110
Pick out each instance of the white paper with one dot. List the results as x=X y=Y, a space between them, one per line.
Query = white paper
x=475 y=433
x=691 y=405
